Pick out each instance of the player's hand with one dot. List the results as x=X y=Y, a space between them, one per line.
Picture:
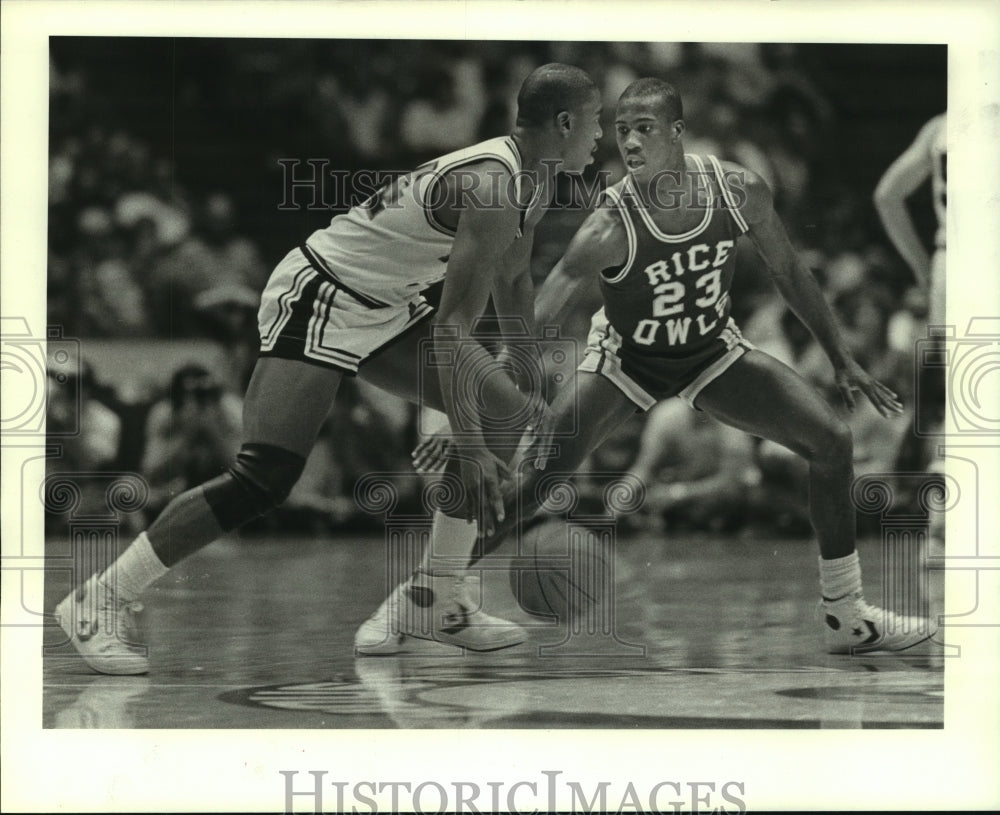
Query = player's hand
x=852 y=377
x=483 y=478
x=431 y=455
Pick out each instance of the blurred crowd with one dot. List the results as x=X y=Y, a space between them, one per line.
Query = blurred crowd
x=166 y=227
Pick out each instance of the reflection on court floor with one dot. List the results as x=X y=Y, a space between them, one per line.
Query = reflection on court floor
x=701 y=632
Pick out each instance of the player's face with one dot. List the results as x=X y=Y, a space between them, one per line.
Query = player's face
x=585 y=130
x=646 y=137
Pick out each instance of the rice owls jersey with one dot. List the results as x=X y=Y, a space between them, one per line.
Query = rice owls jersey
x=391 y=246
x=939 y=176
x=672 y=295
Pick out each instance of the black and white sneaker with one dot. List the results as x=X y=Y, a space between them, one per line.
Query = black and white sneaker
x=852 y=626
x=445 y=608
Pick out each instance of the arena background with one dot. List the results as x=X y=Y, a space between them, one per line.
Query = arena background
x=169 y=205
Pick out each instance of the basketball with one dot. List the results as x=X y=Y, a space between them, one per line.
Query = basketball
x=560 y=569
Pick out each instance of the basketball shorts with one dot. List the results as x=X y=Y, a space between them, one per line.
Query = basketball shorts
x=650 y=378
x=308 y=315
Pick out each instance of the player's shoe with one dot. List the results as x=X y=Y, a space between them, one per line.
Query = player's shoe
x=103 y=629
x=852 y=626
x=379 y=634
x=444 y=608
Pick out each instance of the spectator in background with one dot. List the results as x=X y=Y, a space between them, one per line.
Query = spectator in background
x=359 y=106
x=213 y=255
x=229 y=316
x=448 y=106
x=190 y=436
x=111 y=301
x=108 y=301
x=88 y=435
x=88 y=430
x=319 y=501
x=502 y=77
x=323 y=497
x=697 y=471
x=859 y=305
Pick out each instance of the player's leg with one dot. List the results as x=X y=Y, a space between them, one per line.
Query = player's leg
x=585 y=410
x=762 y=396
x=403 y=368
x=442 y=600
x=286 y=403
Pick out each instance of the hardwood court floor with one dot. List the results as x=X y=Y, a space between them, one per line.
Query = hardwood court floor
x=711 y=632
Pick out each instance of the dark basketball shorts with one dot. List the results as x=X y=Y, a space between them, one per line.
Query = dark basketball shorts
x=647 y=378
x=308 y=315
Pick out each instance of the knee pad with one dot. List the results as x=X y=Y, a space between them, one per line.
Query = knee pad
x=259 y=480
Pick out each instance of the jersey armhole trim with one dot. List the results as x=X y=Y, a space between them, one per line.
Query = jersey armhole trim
x=728 y=196
x=440 y=173
x=615 y=198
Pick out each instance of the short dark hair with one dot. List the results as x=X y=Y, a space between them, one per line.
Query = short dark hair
x=550 y=89
x=659 y=93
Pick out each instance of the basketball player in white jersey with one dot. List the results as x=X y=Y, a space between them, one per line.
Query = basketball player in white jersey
x=347 y=302
x=926 y=157
x=663 y=249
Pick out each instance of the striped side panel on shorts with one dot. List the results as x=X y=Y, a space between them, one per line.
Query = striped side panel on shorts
x=314 y=347
x=602 y=358
x=286 y=303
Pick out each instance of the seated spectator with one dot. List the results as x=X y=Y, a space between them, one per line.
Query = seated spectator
x=878 y=441
x=191 y=435
x=87 y=435
x=87 y=430
x=229 y=316
x=447 y=108
x=213 y=255
x=111 y=302
x=697 y=471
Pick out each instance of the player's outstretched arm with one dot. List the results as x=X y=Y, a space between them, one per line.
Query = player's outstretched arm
x=598 y=245
x=484 y=234
x=801 y=291
x=900 y=180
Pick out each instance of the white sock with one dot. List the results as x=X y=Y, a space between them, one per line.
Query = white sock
x=452 y=540
x=136 y=569
x=840 y=577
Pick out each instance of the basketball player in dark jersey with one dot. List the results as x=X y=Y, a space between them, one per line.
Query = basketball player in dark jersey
x=663 y=247
x=348 y=302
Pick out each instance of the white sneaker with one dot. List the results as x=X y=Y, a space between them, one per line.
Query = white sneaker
x=103 y=630
x=444 y=608
x=853 y=626
x=377 y=634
